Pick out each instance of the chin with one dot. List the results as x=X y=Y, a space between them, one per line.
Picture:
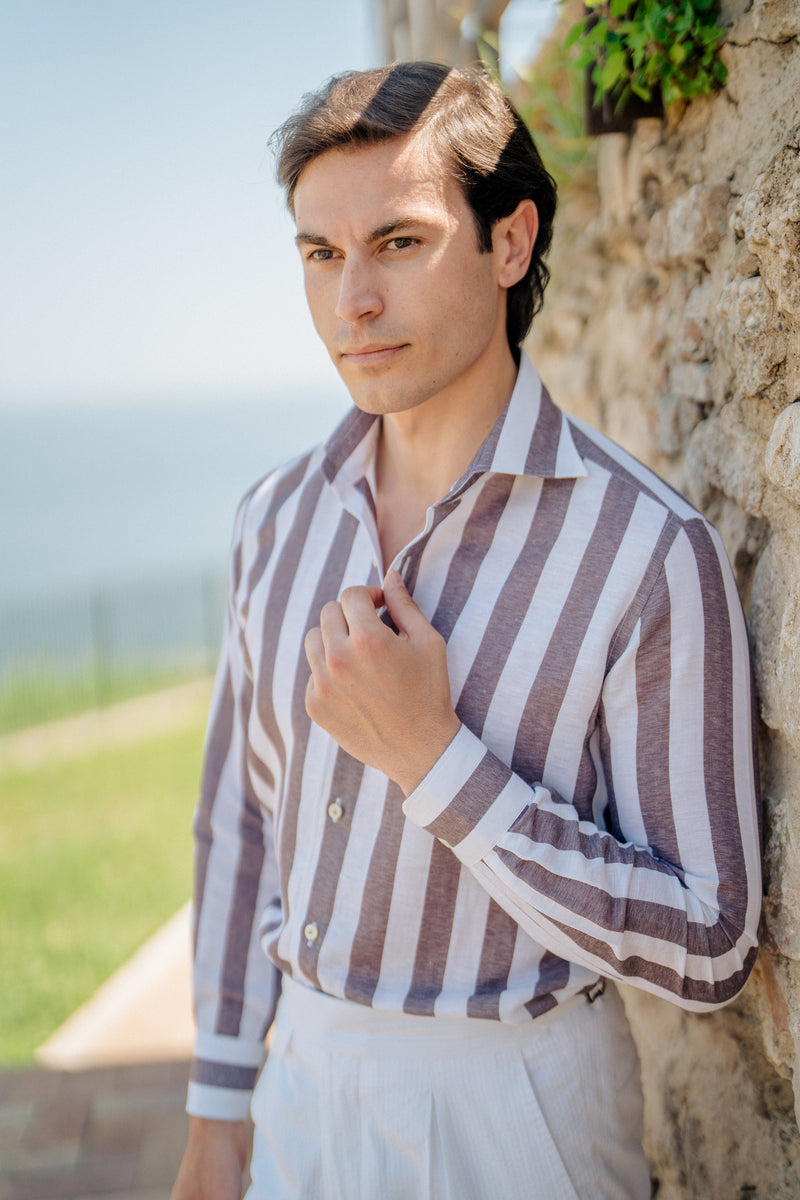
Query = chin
x=379 y=401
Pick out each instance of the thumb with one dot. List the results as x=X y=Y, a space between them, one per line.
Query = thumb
x=402 y=608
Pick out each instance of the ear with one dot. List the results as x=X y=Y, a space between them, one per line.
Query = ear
x=513 y=239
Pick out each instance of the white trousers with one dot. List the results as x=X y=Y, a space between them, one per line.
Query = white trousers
x=355 y=1104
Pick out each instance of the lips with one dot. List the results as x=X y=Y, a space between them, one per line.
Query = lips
x=372 y=348
x=369 y=355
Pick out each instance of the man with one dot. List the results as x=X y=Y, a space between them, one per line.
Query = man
x=481 y=737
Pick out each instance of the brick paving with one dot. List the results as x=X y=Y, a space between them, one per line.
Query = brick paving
x=92 y=1135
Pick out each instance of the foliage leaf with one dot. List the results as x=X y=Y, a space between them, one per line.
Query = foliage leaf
x=640 y=46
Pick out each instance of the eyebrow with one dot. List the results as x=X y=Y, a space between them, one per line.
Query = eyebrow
x=376 y=235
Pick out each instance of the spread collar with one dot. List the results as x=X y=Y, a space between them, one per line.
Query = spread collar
x=532 y=436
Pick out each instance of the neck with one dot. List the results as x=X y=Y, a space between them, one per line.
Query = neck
x=422 y=452
x=427 y=448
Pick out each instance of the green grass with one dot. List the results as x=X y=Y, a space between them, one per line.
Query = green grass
x=31 y=698
x=94 y=856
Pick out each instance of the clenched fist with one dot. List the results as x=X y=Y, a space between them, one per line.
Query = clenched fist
x=383 y=696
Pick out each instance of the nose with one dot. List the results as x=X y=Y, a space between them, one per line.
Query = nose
x=358 y=294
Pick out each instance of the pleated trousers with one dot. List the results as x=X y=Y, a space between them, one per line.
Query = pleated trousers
x=356 y=1104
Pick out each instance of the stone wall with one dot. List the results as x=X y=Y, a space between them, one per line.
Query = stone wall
x=673 y=322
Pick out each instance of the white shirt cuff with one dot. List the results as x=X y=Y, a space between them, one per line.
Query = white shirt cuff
x=468 y=799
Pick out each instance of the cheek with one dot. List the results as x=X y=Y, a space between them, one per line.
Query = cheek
x=319 y=303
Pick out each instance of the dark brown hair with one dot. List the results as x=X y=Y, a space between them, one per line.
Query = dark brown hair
x=470 y=123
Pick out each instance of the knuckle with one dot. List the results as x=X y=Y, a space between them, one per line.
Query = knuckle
x=363 y=642
x=317 y=696
x=353 y=595
x=336 y=659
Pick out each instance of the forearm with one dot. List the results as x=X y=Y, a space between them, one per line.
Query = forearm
x=236 y=883
x=651 y=871
x=606 y=903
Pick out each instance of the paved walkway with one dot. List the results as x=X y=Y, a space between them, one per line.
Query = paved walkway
x=109 y=1132
x=103 y=1116
x=122 y=724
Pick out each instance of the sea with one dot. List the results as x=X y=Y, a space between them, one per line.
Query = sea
x=105 y=500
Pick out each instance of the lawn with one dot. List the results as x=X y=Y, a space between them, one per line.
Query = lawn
x=31 y=697
x=94 y=856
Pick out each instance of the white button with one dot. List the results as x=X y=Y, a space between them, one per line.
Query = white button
x=335 y=810
x=311 y=933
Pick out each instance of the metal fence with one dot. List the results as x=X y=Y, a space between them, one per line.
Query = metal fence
x=112 y=639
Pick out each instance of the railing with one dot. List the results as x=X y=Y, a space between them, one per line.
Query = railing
x=61 y=654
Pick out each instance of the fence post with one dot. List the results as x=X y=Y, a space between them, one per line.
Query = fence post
x=100 y=633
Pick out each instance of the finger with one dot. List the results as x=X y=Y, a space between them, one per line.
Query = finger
x=315 y=650
x=404 y=611
x=332 y=622
x=375 y=593
x=310 y=695
x=360 y=605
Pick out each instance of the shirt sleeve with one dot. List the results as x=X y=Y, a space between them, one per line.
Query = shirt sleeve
x=663 y=888
x=236 y=888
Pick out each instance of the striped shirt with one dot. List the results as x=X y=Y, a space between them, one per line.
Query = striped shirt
x=596 y=815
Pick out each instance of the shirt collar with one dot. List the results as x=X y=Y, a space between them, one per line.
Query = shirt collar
x=532 y=436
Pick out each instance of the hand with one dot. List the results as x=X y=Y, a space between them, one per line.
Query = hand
x=214 y=1160
x=383 y=696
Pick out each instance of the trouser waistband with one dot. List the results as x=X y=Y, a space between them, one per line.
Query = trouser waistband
x=358 y=1028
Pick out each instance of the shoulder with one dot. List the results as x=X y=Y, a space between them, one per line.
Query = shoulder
x=605 y=455
x=266 y=511
x=676 y=547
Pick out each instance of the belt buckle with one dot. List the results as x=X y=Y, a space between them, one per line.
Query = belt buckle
x=595 y=990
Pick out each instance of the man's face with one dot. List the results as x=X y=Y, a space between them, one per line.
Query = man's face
x=406 y=304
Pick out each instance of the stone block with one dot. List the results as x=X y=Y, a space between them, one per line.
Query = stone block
x=757 y=112
x=616 y=199
x=689 y=381
x=696 y=222
x=721 y=456
x=768 y=21
x=765 y=1005
x=775 y=628
x=782 y=863
x=750 y=333
x=689 y=230
x=676 y=418
x=770 y=217
x=782 y=456
x=744 y=537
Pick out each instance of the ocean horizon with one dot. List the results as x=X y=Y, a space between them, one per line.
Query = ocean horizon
x=96 y=495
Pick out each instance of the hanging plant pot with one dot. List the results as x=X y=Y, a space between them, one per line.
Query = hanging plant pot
x=605 y=116
x=642 y=54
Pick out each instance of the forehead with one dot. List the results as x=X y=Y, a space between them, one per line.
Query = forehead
x=405 y=175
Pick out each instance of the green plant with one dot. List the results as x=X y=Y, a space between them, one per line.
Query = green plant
x=645 y=46
x=95 y=854
x=549 y=96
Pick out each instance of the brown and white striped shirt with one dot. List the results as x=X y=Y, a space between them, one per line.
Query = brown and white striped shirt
x=597 y=813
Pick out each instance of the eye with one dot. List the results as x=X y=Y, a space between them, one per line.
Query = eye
x=322 y=254
x=401 y=243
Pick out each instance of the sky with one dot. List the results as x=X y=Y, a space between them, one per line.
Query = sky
x=144 y=247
